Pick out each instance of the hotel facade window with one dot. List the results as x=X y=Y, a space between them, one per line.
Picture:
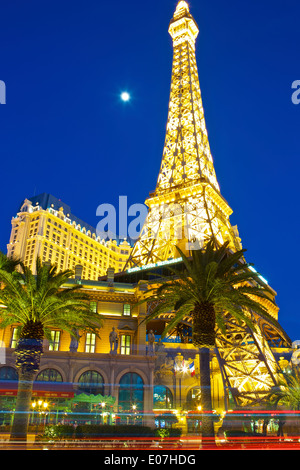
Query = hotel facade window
x=162 y=398
x=131 y=393
x=126 y=310
x=14 y=338
x=125 y=347
x=93 y=306
x=90 y=343
x=54 y=341
x=49 y=375
x=91 y=382
x=8 y=373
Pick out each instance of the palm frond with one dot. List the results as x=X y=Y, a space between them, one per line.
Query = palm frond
x=219 y=276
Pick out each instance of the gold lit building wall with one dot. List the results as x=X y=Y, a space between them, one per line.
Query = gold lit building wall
x=54 y=237
x=119 y=307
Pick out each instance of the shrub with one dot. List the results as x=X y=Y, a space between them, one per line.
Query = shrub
x=107 y=430
x=58 y=431
x=168 y=432
x=91 y=431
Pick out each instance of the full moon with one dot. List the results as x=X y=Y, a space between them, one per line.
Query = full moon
x=125 y=96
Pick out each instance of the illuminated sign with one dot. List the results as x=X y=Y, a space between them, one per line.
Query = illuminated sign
x=260 y=277
x=154 y=265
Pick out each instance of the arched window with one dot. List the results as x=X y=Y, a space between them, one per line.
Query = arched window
x=162 y=398
x=131 y=392
x=49 y=375
x=8 y=373
x=91 y=382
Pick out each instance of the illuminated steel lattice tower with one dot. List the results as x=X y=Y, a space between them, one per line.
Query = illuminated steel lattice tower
x=187 y=209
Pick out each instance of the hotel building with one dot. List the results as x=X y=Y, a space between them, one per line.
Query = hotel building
x=45 y=227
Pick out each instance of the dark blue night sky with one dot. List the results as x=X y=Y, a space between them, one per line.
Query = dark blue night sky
x=65 y=131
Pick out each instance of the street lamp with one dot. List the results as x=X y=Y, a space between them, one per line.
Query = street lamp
x=134 y=411
x=199 y=408
x=103 y=406
x=40 y=407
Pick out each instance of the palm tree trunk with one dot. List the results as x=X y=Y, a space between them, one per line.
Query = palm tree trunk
x=204 y=335
x=28 y=356
x=21 y=415
x=206 y=401
x=204 y=323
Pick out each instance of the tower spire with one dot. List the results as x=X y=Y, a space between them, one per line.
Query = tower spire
x=186 y=209
x=186 y=156
x=183 y=24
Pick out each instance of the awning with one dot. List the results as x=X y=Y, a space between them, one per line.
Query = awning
x=40 y=389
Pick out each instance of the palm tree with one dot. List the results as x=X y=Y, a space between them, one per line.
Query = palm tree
x=215 y=282
x=39 y=303
x=8 y=263
x=287 y=392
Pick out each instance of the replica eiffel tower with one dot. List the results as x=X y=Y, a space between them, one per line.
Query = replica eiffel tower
x=187 y=209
